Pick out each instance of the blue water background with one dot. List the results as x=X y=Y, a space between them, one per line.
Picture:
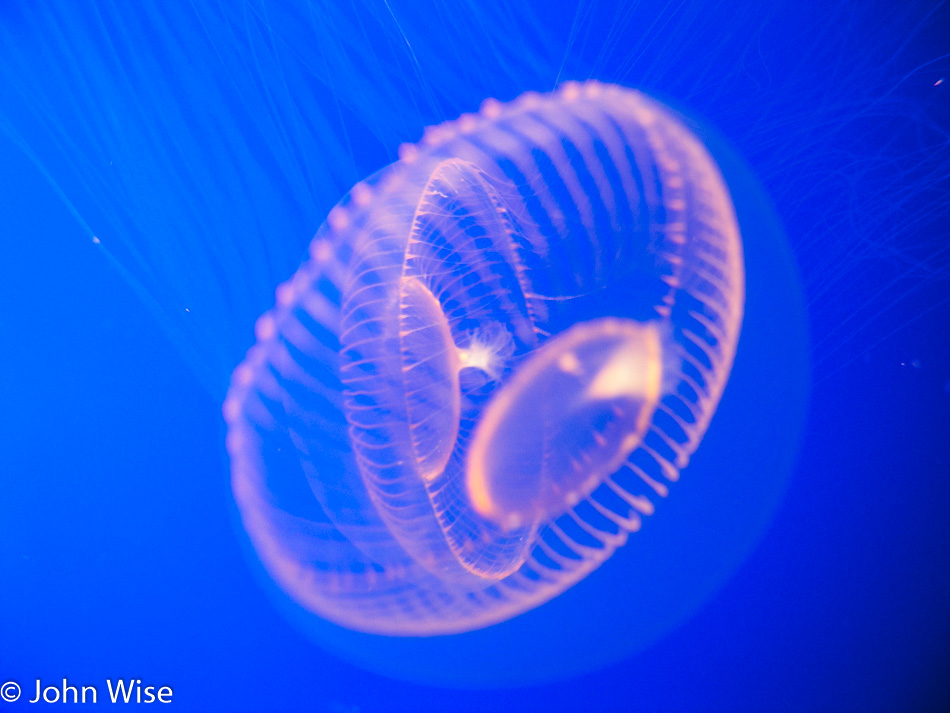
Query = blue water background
x=120 y=551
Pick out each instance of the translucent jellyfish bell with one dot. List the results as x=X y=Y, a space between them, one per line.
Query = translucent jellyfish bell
x=502 y=348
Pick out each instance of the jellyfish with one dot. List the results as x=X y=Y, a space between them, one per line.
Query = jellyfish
x=502 y=350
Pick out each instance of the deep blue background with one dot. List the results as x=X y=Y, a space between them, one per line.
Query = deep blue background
x=118 y=547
